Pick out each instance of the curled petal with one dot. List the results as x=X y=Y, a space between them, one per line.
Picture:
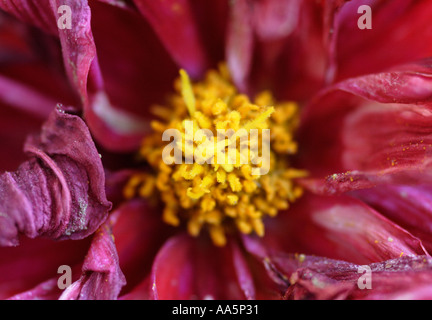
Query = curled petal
x=59 y=193
x=320 y=278
x=24 y=270
x=102 y=278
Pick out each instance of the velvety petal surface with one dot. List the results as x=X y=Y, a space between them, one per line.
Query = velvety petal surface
x=58 y=193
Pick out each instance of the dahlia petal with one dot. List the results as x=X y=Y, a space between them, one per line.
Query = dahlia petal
x=323 y=279
x=102 y=278
x=32 y=75
x=17 y=95
x=139 y=232
x=303 y=276
x=240 y=42
x=338 y=227
x=387 y=137
x=70 y=200
x=47 y=290
x=12 y=140
x=44 y=257
x=395 y=138
x=408 y=206
x=147 y=81
x=407 y=84
x=212 y=20
x=275 y=19
x=268 y=46
x=199 y=266
x=37 y=13
x=397 y=36
x=173 y=22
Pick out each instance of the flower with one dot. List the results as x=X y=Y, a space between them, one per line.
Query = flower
x=363 y=138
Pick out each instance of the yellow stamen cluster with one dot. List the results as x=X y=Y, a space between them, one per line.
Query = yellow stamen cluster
x=220 y=197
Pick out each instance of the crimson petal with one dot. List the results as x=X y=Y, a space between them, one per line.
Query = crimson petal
x=173 y=21
x=408 y=206
x=388 y=135
x=102 y=277
x=199 y=266
x=397 y=36
x=321 y=278
x=338 y=227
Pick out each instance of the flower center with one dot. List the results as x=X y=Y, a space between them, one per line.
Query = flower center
x=227 y=167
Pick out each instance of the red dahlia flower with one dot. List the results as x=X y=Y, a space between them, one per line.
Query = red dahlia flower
x=79 y=96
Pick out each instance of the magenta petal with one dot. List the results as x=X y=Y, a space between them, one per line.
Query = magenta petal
x=173 y=21
x=47 y=290
x=240 y=42
x=102 y=278
x=59 y=193
x=320 y=278
x=45 y=257
x=313 y=277
x=397 y=36
x=11 y=139
x=408 y=206
x=37 y=13
x=139 y=232
x=199 y=268
x=388 y=136
x=337 y=227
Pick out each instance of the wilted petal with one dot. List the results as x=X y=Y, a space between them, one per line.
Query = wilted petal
x=59 y=193
x=102 y=278
x=321 y=278
x=12 y=140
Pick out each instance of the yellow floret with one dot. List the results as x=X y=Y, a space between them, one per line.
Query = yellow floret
x=220 y=197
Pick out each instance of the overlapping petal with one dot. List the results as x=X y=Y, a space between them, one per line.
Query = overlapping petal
x=102 y=278
x=372 y=129
x=199 y=266
x=338 y=227
x=320 y=278
x=397 y=36
x=58 y=193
